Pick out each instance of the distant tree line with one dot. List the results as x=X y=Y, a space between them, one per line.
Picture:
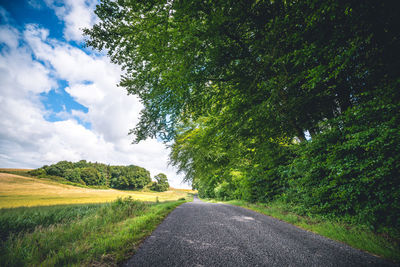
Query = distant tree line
x=99 y=174
x=294 y=101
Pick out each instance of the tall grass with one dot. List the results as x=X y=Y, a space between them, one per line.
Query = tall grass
x=102 y=234
x=24 y=219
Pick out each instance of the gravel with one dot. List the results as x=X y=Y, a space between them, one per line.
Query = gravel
x=208 y=234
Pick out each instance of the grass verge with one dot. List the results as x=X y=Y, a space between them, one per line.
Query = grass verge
x=357 y=236
x=79 y=235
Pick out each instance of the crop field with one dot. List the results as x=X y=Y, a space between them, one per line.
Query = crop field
x=17 y=191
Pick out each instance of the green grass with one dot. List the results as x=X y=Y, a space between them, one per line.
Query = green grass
x=357 y=236
x=24 y=219
x=78 y=235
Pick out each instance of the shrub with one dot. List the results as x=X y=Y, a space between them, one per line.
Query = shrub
x=37 y=172
x=223 y=191
x=352 y=169
x=74 y=175
x=161 y=183
x=91 y=176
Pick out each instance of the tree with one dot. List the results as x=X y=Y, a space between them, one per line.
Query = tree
x=122 y=177
x=161 y=183
x=287 y=65
x=59 y=168
x=74 y=175
x=91 y=176
x=138 y=177
x=129 y=177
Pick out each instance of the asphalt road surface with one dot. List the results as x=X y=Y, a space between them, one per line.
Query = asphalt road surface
x=206 y=234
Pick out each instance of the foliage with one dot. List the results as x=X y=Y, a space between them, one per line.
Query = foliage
x=38 y=172
x=91 y=176
x=74 y=175
x=59 y=168
x=281 y=67
x=97 y=174
x=161 y=184
x=264 y=100
x=352 y=168
x=129 y=177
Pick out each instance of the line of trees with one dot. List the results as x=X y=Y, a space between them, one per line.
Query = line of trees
x=99 y=174
x=296 y=101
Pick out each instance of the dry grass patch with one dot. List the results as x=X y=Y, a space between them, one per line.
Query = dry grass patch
x=17 y=191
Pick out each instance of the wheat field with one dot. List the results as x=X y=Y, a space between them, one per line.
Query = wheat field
x=17 y=191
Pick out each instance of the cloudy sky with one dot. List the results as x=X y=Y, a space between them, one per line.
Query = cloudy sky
x=58 y=99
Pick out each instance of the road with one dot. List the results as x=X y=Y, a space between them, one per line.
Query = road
x=207 y=234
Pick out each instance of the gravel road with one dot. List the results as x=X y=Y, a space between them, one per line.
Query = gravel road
x=207 y=234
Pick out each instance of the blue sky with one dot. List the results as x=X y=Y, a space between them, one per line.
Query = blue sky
x=22 y=12
x=60 y=100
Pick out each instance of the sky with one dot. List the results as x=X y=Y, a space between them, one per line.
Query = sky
x=59 y=100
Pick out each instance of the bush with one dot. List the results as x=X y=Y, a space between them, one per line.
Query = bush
x=74 y=175
x=59 y=168
x=223 y=191
x=37 y=172
x=161 y=183
x=129 y=177
x=353 y=168
x=91 y=176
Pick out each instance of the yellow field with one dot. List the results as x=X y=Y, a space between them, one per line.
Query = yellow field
x=16 y=191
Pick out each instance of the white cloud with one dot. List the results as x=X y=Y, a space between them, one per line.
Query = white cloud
x=30 y=64
x=36 y=4
x=92 y=82
x=88 y=94
x=76 y=14
x=17 y=67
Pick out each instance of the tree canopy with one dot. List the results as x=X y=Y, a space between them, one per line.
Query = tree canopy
x=289 y=64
